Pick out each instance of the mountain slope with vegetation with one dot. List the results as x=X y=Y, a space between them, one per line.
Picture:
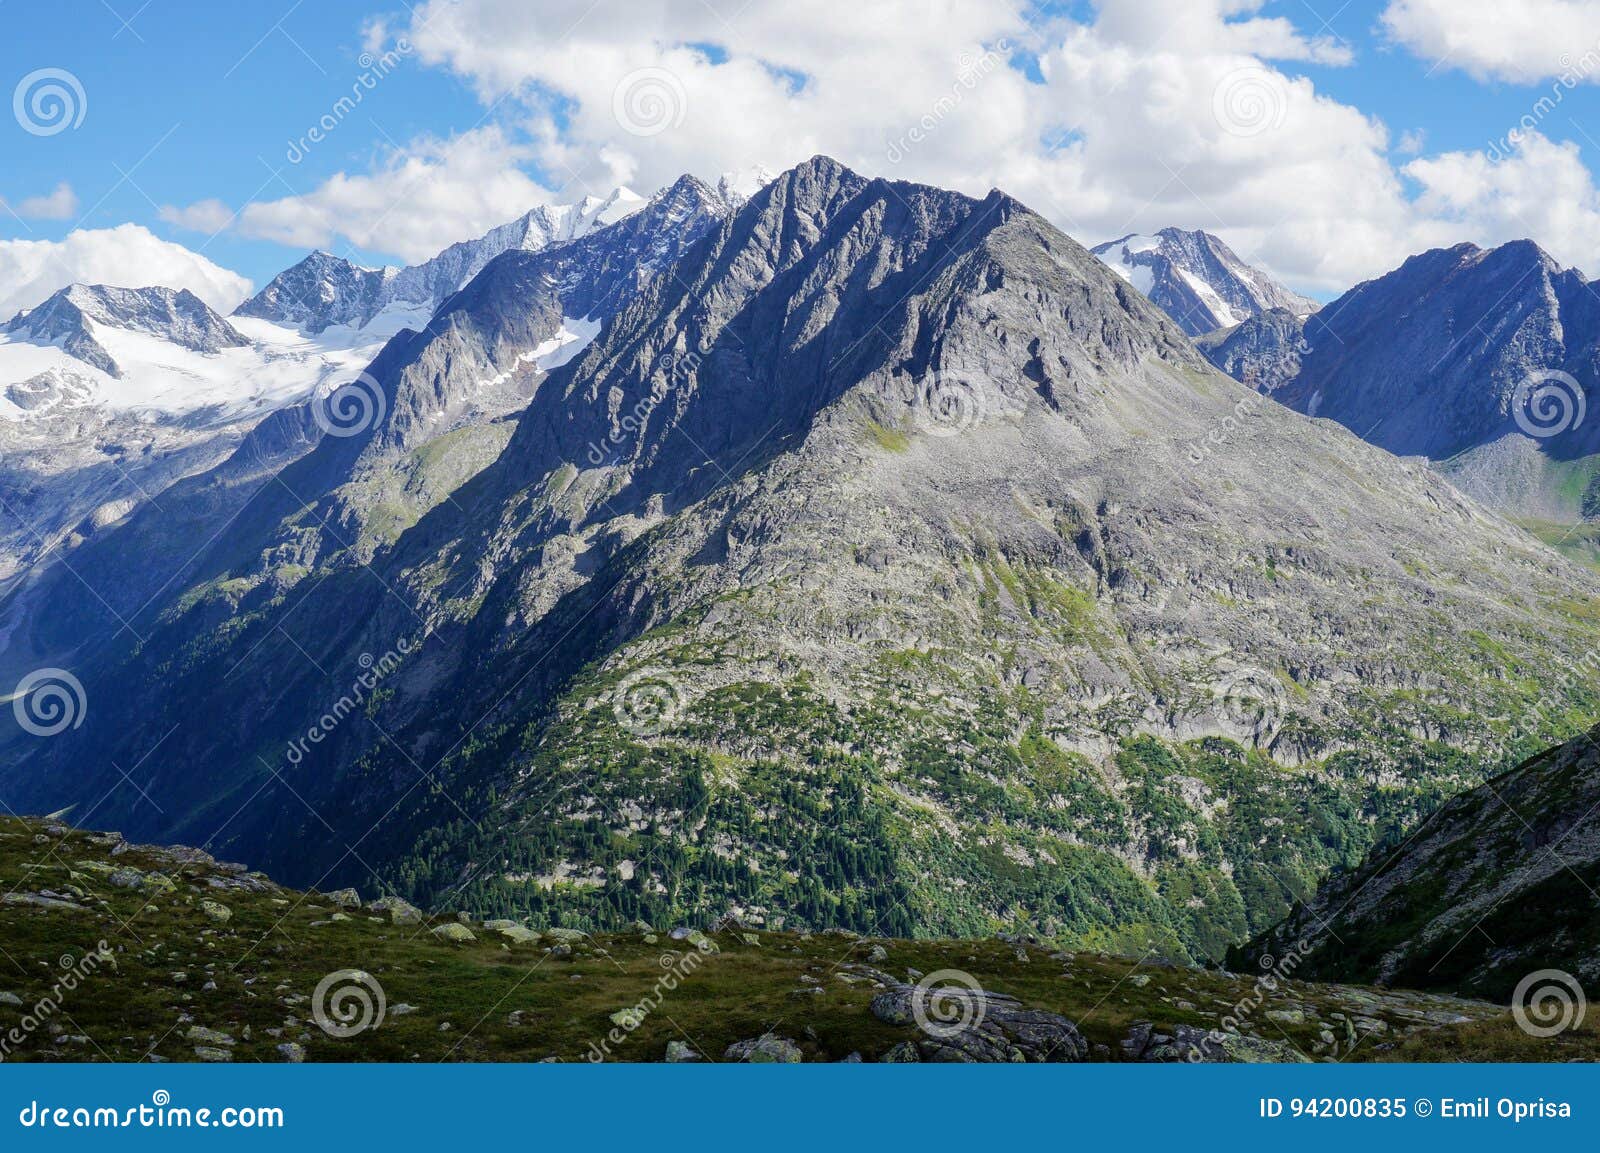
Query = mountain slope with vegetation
x=1499 y=882
x=884 y=562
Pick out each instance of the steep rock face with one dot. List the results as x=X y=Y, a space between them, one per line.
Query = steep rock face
x=885 y=559
x=1197 y=279
x=1262 y=352
x=321 y=291
x=1484 y=361
x=1495 y=885
x=69 y=317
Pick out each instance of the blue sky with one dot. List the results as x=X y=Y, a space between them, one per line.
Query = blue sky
x=188 y=102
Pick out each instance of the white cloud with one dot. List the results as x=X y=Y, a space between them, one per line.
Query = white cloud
x=1541 y=191
x=128 y=256
x=60 y=203
x=1123 y=133
x=208 y=216
x=1525 y=42
x=413 y=204
x=1147 y=113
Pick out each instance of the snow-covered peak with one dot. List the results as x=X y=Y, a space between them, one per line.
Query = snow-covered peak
x=79 y=318
x=325 y=290
x=1197 y=279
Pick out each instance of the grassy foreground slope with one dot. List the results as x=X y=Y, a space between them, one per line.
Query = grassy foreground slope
x=122 y=952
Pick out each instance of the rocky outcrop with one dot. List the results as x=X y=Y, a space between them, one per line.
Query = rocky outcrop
x=1495 y=885
x=963 y=1024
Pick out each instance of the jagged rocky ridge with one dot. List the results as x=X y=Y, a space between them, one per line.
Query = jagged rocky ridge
x=325 y=290
x=885 y=560
x=68 y=319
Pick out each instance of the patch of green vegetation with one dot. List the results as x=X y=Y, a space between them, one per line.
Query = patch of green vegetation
x=889 y=439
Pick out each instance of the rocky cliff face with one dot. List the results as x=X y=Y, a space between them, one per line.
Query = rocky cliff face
x=1262 y=352
x=884 y=560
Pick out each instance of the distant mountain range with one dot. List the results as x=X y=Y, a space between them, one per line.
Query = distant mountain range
x=1483 y=361
x=108 y=395
x=1197 y=279
x=325 y=290
x=858 y=553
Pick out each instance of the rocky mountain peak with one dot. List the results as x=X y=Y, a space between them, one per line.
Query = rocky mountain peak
x=1197 y=279
x=70 y=316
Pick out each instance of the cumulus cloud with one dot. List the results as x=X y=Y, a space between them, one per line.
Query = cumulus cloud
x=208 y=216
x=1525 y=42
x=1138 y=118
x=1542 y=191
x=60 y=203
x=414 y=203
x=128 y=256
x=1138 y=115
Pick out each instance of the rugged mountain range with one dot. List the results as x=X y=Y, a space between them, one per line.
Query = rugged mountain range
x=884 y=560
x=325 y=290
x=1497 y=884
x=69 y=319
x=108 y=395
x=1482 y=360
x=1197 y=279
